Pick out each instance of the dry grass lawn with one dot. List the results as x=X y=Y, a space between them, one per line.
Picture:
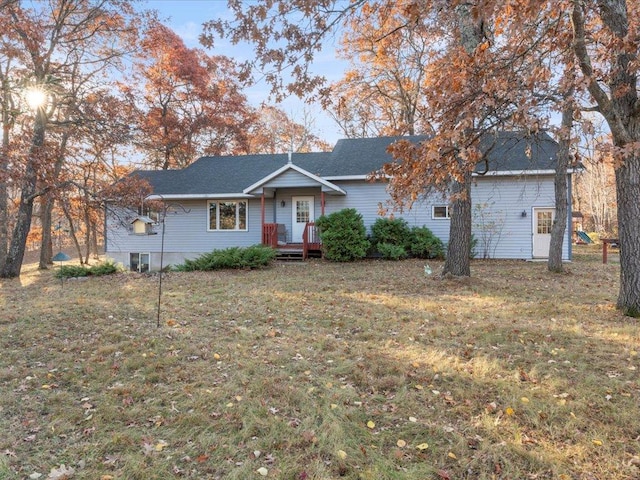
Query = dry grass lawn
x=321 y=371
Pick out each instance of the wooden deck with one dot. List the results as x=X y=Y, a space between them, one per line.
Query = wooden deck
x=310 y=246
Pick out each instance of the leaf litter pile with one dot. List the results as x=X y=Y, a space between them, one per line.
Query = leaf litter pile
x=310 y=371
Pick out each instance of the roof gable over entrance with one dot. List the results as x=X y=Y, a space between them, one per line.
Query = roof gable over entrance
x=291 y=176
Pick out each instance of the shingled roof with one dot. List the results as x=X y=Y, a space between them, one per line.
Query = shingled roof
x=227 y=175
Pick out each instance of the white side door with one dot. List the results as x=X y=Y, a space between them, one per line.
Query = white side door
x=542 y=223
x=301 y=212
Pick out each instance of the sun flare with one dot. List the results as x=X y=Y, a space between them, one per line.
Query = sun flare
x=35 y=97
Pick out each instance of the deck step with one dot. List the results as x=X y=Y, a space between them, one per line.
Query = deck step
x=296 y=254
x=290 y=254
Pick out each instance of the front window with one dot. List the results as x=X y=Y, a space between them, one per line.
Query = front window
x=440 y=211
x=228 y=215
x=139 y=262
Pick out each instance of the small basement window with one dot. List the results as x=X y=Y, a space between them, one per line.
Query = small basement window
x=139 y=262
x=440 y=212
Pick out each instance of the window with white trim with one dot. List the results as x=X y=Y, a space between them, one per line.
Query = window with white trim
x=440 y=212
x=227 y=215
x=139 y=262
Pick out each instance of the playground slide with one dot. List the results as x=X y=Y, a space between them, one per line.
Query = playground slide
x=584 y=237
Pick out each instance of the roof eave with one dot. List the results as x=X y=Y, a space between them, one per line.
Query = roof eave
x=196 y=196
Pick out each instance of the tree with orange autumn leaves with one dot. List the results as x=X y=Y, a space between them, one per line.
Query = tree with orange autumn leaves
x=275 y=132
x=184 y=103
x=501 y=65
x=382 y=91
x=49 y=45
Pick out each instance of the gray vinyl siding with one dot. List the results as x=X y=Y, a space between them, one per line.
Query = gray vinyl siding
x=498 y=222
x=186 y=234
x=498 y=203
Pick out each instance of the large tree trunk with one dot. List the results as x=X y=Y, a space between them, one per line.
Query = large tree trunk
x=95 y=250
x=72 y=233
x=7 y=123
x=620 y=109
x=458 y=261
x=15 y=255
x=559 y=226
x=628 y=193
x=46 y=243
x=46 y=248
x=4 y=197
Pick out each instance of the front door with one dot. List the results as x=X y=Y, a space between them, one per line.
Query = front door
x=542 y=223
x=302 y=212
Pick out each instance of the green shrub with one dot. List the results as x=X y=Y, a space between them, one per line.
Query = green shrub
x=105 y=268
x=393 y=231
x=390 y=251
x=70 y=271
x=417 y=242
x=256 y=256
x=424 y=244
x=343 y=235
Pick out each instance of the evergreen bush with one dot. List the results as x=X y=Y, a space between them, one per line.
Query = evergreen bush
x=70 y=271
x=256 y=256
x=424 y=244
x=343 y=235
x=105 y=268
x=390 y=251
x=417 y=242
x=393 y=231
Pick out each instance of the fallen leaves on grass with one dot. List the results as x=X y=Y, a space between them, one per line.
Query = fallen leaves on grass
x=61 y=473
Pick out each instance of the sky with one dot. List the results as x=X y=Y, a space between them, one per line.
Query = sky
x=186 y=17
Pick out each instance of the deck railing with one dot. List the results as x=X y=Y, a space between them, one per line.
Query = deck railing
x=310 y=239
x=270 y=234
